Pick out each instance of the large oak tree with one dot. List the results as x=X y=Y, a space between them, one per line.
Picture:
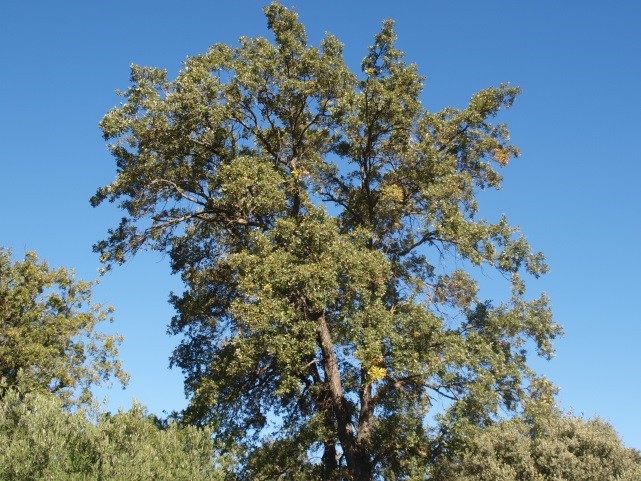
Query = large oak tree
x=320 y=220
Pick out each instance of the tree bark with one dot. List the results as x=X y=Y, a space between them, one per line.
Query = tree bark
x=356 y=453
x=330 y=462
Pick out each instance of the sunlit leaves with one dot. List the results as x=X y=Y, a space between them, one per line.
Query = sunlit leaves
x=48 y=340
x=551 y=447
x=40 y=440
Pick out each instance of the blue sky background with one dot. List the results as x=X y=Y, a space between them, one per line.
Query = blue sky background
x=574 y=191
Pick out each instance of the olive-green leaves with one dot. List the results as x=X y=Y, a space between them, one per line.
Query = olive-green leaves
x=48 y=340
x=326 y=227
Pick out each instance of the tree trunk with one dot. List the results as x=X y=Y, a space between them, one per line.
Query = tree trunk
x=356 y=454
x=330 y=463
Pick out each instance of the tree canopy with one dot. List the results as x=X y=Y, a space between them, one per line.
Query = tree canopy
x=48 y=340
x=326 y=227
x=41 y=441
x=545 y=448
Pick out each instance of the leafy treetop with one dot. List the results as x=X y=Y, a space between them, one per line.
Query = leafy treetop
x=48 y=340
x=43 y=441
x=551 y=447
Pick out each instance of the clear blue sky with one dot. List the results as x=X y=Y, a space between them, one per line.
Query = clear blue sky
x=574 y=192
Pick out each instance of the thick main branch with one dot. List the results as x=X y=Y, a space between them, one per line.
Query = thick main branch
x=333 y=380
x=354 y=449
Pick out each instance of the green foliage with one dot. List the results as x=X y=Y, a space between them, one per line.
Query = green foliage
x=39 y=440
x=47 y=336
x=550 y=448
x=319 y=220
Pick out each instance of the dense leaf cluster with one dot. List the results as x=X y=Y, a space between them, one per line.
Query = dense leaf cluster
x=41 y=441
x=48 y=339
x=549 y=448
